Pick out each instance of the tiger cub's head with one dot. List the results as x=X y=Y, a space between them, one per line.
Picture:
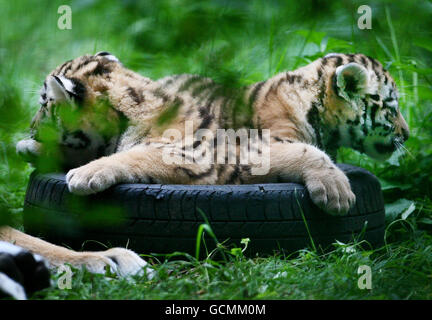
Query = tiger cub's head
x=75 y=122
x=361 y=105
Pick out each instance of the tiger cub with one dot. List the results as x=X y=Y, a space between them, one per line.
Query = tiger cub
x=115 y=126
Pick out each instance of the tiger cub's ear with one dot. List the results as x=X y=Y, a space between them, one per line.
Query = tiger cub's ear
x=60 y=88
x=351 y=80
x=107 y=55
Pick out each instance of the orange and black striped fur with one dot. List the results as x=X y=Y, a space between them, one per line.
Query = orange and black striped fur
x=118 y=132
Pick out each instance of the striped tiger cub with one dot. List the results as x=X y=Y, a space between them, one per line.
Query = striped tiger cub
x=120 y=120
x=106 y=124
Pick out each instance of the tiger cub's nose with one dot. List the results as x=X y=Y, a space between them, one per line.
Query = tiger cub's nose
x=405 y=134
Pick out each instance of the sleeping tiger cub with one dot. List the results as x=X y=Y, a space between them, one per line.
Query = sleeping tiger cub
x=111 y=124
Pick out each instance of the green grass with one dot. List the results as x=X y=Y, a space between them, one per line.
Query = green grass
x=238 y=43
x=399 y=271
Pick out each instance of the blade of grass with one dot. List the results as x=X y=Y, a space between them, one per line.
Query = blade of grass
x=305 y=222
x=397 y=54
x=205 y=226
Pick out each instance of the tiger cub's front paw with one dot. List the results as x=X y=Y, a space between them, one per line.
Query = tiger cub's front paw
x=92 y=178
x=330 y=190
x=28 y=149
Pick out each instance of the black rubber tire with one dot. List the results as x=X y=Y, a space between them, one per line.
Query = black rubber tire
x=164 y=218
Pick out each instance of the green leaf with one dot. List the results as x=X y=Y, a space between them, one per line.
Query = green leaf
x=425 y=221
x=312 y=36
x=245 y=241
x=408 y=211
x=401 y=207
x=394 y=159
x=386 y=185
x=412 y=68
x=335 y=45
x=236 y=252
x=169 y=113
x=424 y=43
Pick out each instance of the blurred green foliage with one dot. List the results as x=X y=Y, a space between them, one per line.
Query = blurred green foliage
x=236 y=43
